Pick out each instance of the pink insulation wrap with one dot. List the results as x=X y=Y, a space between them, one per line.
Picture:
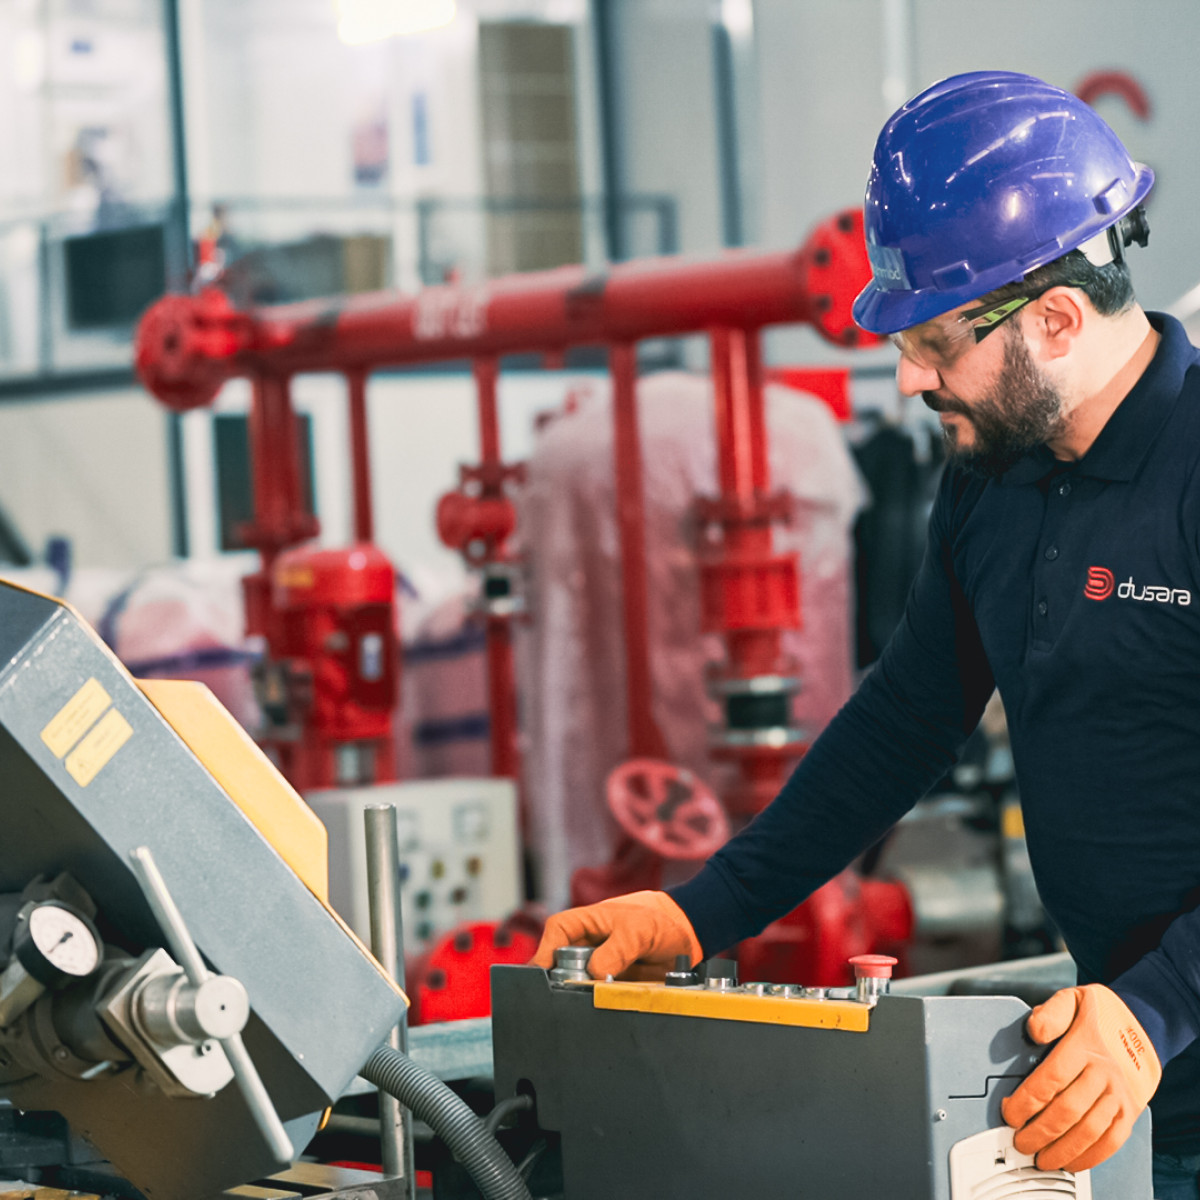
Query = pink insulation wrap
x=186 y=620
x=571 y=665
x=443 y=707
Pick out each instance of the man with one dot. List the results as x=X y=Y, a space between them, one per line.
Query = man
x=1063 y=567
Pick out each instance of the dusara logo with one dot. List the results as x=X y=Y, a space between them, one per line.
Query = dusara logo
x=1155 y=595
x=1100 y=585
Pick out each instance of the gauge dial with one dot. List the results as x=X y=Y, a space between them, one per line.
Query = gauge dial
x=58 y=941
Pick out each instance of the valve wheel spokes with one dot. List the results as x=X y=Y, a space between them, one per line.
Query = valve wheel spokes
x=667 y=809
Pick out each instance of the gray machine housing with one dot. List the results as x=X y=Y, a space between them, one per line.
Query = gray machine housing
x=319 y=1004
x=652 y=1105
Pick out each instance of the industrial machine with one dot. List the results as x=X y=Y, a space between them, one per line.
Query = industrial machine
x=164 y=933
x=705 y=1088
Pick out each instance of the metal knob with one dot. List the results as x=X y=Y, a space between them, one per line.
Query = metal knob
x=180 y=942
x=682 y=975
x=571 y=963
x=721 y=975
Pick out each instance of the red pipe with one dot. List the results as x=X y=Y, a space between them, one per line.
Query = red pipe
x=502 y=684
x=486 y=371
x=502 y=698
x=645 y=738
x=360 y=456
x=187 y=346
x=751 y=593
x=279 y=516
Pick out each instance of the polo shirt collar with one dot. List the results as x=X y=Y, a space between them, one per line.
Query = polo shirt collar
x=1125 y=440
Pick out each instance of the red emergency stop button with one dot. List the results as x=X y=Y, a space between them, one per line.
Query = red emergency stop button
x=873 y=966
x=872 y=976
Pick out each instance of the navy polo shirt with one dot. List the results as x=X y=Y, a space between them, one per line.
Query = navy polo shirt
x=1073 y=587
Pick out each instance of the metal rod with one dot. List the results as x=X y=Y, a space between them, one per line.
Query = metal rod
x=168 y=916
x=387 y=944
x=179 y=240
x=179 y=939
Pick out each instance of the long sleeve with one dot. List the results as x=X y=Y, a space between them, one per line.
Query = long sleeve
x=1162 y=989
x=888 y=745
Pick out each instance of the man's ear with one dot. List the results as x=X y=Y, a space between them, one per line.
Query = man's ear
x=1058 y=320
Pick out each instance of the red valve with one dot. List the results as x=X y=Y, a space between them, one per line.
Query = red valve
x=182 y=345
x=463 y=519
x=667 y=809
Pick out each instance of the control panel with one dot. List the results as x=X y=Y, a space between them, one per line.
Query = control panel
x=458 y=852
x=712 y=990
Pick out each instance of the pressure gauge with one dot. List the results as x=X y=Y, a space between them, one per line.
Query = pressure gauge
x=57 y=942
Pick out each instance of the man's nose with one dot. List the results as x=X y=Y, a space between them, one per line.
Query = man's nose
x=912 y=379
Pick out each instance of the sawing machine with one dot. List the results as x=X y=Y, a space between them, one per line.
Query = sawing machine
x=172 y=981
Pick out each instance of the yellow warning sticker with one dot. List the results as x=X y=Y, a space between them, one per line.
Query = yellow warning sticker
x=76 y=717
x=87 y=760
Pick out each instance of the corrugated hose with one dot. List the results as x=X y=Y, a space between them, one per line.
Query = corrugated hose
x=451 y=1119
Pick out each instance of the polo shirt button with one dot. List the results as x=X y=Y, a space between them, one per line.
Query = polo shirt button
x=1064 y=488
x=1051 y=552
x=1043 y=607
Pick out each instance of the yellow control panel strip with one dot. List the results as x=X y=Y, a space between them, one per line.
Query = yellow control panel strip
x=733 y=1006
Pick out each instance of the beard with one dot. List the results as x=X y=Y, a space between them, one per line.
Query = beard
x=1023 y=411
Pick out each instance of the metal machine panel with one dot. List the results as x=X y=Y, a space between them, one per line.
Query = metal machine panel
x=457 y=846
x=320 y=1005
x=654 y=1104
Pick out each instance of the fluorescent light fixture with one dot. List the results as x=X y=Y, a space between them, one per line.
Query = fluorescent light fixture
x=738 y=17
x=362 y=21
x=29 y=60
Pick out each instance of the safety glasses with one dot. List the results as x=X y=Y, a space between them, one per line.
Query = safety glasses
x=941 y=343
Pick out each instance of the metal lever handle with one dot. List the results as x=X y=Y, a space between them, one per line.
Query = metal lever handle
x=180 y=942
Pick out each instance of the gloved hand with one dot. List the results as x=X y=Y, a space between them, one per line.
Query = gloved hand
x=644 y=928
x=1079 y=1104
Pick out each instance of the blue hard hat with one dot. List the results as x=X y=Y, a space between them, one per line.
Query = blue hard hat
x=977 y=181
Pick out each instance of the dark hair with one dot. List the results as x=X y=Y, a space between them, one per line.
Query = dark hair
x=1109 y=288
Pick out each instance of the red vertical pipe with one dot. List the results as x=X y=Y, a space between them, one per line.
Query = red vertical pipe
x=744 y=476
x=645 y=740
x=734 y=414
x=274 y=452
x=360 y=458
x=487 y=374
x=502 y=698
x=751 y=340
x=502 y=686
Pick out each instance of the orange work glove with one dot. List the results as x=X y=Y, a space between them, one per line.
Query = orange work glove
x=1079 y=1105
x=643 y=928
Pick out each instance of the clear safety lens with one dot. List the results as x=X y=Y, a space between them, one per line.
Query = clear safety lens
x=940 y=343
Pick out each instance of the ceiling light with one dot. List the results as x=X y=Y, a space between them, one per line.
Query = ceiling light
x=362 y=21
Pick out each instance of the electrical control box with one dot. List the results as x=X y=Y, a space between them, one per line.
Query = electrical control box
x=458 y=852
